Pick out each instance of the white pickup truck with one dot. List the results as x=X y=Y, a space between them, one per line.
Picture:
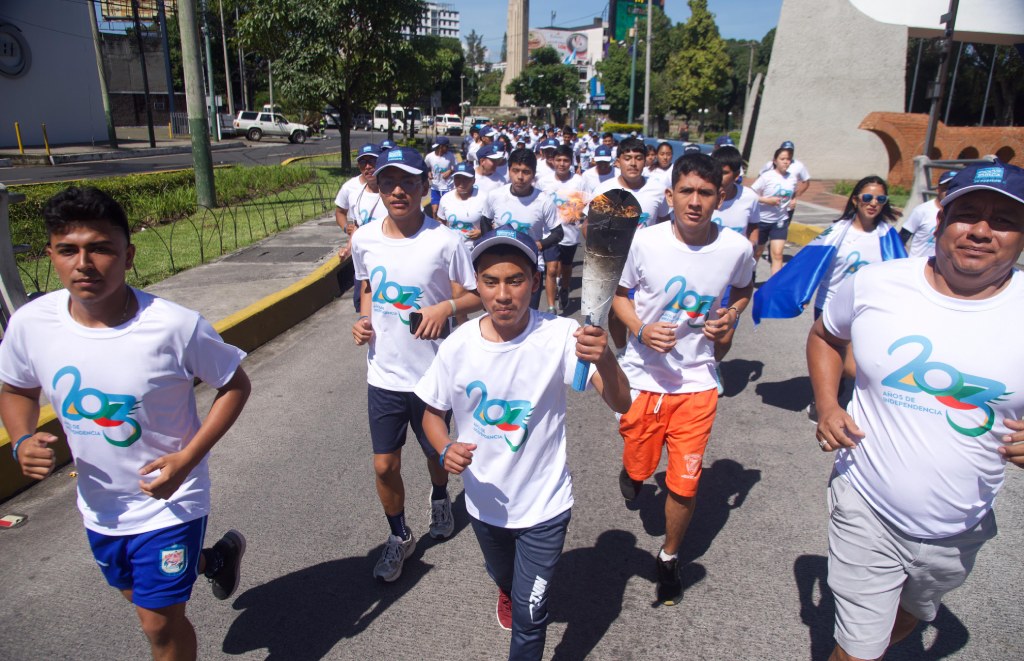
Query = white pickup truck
x=448 y=125
x=256 y=124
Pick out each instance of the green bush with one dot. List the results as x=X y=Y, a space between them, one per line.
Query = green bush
x=898 y=194
x=615 y=127
x=734 y=135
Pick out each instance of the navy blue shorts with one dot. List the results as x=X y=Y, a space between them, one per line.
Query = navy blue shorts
x=435 y=196
x=391 y=414
x=771 y=232
x=560 y=253
x=159 y=567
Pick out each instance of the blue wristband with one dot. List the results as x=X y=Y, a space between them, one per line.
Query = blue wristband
x=17 y=444
x=440 y=459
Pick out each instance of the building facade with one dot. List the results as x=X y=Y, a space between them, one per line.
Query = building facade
x=439 y=20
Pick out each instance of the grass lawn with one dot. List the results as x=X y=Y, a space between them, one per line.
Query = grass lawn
x=898 y=195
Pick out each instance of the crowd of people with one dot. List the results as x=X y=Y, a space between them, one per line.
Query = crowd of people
x=435 y=240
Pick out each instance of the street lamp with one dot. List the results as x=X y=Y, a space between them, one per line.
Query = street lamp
x=462 y=94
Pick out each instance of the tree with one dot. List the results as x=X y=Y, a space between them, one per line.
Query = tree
x=545 y=80
x=341 y=51
x=616 y=67
x=699 y=69
x=476 y=53
x=504 y=47
x=489 y=90
x=427 y=63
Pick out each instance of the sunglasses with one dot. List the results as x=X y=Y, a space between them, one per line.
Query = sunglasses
x=867 y=197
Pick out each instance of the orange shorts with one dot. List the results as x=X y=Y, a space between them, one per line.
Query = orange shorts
x=683 y=422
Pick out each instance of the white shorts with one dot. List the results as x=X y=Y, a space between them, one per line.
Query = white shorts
x=873 y=569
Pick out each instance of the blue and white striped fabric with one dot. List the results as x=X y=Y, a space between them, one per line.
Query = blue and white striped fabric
x=788 y=292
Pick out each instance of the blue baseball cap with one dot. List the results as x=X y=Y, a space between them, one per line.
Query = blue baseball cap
x=464 y=169
x=995 y=175
x=723 y=140
x=946 y=177
x=549 y=143
x=787 y=144
x=692 y=148
x=493 y=151
x=369 y=150
x=488 y=132
x=440 y=140
x=386 y=145
x=506 y=235
x=403 y=158
x=603 y=153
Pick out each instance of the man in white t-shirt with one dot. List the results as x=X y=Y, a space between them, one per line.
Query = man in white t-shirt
x=680 y=270
x=406 y=264
x=487 y=176
x=566 y=190
x=118 y=365
x=919 y=227
x=524 y=206
x=935 y=417
x=504 y=376
x=601 y=171
x=440 y=166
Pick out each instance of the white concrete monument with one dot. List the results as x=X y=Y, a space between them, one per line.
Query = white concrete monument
x=515 y=47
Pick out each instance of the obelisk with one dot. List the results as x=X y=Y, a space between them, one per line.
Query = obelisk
x=515 y=48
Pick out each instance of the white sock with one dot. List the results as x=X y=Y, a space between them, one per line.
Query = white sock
x=665 y=557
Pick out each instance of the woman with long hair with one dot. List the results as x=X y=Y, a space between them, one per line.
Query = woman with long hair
x=775 y=189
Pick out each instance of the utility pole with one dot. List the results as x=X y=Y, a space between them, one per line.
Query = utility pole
x=212 y=100
x=227 y=70
x=145 y=76
x=939 y=85
x=647 y=67
x=241 y=70
x=162 y=15
x=270 y=80
x=632 y=77
x=111 y=133
x=952 y=84
x=198 y=127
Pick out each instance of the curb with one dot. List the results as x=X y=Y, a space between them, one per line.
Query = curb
x=61 y=159
x=801 y=234
x=247 y=329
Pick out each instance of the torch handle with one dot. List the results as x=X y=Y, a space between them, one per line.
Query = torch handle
x=579 y=379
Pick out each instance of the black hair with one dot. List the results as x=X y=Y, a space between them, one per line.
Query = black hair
x=702 y=165
x=779 y=151
x=564 y=150
x=74 y=205
x=728 y=156
x=663 y=144
x=523 y=157
x=632 y=145
x=504 y=250
x=850 y=211
x=606 y=134
x=651 y=149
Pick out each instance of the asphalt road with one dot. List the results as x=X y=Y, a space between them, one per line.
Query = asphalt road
x=294 y=474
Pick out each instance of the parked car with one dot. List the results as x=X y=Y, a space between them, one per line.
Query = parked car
x=448 y=125
x=470 y=121
x=254 y=125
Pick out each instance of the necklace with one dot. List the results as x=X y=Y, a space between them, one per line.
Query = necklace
x=128 y=297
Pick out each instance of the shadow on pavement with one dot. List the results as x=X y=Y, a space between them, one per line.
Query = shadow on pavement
x=303 y=615
x=792 y=394
x=811 y=571
x=737 y=373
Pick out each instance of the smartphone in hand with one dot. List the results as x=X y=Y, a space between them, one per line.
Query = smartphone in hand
x=416 y=318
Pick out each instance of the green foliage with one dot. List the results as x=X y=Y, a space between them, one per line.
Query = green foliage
x=616 y=69
x=489 y=90
x=616 y=127
x=699 y=68
x=545 y=81
x=898 y=195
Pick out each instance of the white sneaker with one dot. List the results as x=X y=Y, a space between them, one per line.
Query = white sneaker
x=396 y=550
x=812 y=412
x=442 y=523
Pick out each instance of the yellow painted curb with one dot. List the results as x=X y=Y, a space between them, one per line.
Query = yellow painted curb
x=247 y=329
x=801 y=234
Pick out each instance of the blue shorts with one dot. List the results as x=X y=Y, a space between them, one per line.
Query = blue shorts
x=435 y=196
x=391 y=414
x=159 y=567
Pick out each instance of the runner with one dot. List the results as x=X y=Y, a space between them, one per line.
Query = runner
x=406 y=264
x=440 y=166
x=118 y=365
x=565 y=189
x=796 y=168
x=504 y=375
x=922 y=452
x=601 y=172
x=487 y=176
x=524 y=206
x=461 y=209
x=546 y=164
x=919 y=227
x=775 y=188
x=680 y=270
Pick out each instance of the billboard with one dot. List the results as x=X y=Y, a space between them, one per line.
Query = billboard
x=581 y=47
x=121 y=10
x=622 y=15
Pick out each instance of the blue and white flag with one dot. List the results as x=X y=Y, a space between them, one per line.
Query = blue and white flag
x=787 y=293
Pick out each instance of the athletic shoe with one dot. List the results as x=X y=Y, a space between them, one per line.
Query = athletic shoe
x=396 y=550
x=442 y=523
x=629 y=487
x=224 y=579
x=670 y=588
x=552 y=310
x=504 y=610
x=718 y=379
x=812 y=412
x=563 y=299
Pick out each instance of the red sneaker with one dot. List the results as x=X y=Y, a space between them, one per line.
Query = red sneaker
x=504 y=610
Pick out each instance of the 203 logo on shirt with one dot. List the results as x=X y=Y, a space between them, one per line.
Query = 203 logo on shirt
x=402 y=297
x=695 y=305
x=511 y=417
x=106 y=410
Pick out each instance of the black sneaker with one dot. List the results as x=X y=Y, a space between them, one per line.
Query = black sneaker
x=629 y=487
x=563 y=299
x=224 y=579
x=670 y=588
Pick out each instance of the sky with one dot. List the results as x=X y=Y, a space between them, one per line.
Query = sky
x=737 y=19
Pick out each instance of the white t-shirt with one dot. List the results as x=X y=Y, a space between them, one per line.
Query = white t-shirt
x=462 y=216
x=739 y=212
x=543 y=170
x=124 y=397
x=474 y=147
x=592 y=179
x=796 y=168
x=438 y=166
x=363 y=205
x=509 y=398
x=406 y=275
x=680 y=284
x=858 y=249
x=350 y=187
x=663 y=177
x=921 y=224
x=651 y=197
x=771 y=184
x=557 y=190
x=532 y=214
x=928 y=462
x=485 y=183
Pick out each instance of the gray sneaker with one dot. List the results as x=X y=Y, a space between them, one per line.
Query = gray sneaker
x=718 y=380
x=442 y=523
x=396 y=550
